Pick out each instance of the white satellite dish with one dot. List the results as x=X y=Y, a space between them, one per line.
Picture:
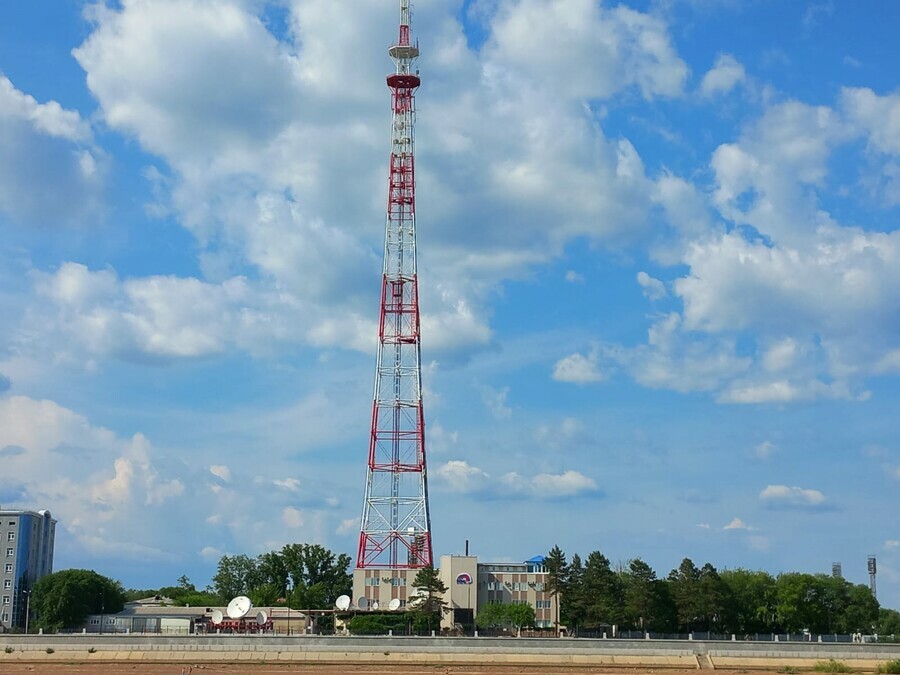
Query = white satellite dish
x=362 y=602
x=217 y=616
x=239 y=607
x=261 y=618
x=375 y=605
x=394 y=604
x=343 y=602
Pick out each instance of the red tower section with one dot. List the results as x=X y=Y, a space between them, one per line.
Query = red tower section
x=396 y=527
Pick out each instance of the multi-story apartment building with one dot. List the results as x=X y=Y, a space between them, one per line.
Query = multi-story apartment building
x=26 y=554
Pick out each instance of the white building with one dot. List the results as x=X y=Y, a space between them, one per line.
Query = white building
x=470 y=585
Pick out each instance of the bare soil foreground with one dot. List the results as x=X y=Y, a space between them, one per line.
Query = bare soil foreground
x=331 y=669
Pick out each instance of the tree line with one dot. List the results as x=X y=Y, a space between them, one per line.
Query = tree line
x=595 y=596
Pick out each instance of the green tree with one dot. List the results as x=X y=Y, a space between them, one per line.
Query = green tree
x=752 y=601
x=604 y=592
x=509 y=615
x=318 y=575
x=713 y=600
x=520 y=615
x=235 y=575
x=573 y=611
x=684 y=583
x=557 y=576
x=65 y=599
x=888 y=622
x=429 y=606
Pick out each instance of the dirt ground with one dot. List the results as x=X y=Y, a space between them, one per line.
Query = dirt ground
x=275 y=669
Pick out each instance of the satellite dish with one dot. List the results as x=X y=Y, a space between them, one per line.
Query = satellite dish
x=343 y=602
x=375 y=605
x=217 y=616
x=239 y=607
x=363 y=602
x=261 y=618
x=394 y=604
x=417 y=596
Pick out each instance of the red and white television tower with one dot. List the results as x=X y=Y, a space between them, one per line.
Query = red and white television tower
x=396 y=527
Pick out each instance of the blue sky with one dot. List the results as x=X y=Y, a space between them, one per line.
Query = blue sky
x=659 y=260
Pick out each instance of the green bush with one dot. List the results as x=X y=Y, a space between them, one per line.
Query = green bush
x=8 y=650
x=378 y=624
x=832 y=666
x=892 y=667
x=49 y=650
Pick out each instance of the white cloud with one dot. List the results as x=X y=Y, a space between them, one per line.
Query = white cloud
x=460 y=476
x=578 y=369
x=292 y=517
x=764 y=450
x=723 y=77
x=892 y=543
x=737 y=524
x=289 y=484
x=782 y=496
x=495 y=401
x=221 y=471
x=607 y=50
x=47 y=151
x=653 y=289
x=574 y=277
x=703 y=526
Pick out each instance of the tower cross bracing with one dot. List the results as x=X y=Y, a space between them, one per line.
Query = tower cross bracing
x=395 y=531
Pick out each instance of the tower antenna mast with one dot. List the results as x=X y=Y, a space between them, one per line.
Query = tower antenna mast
x=395 y=530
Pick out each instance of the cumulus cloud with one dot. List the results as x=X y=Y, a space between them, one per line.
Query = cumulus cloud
x=50 y=171
x=737 y=524
x=726 y=74
x=461 y=477
x=784 y=497
x=221 y=471
x=653 y=289
x=578 y=369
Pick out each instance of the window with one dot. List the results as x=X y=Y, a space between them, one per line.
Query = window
x=6 y=616
x=373 y=581
x=9 y=553
x=95 y=622
x=539 y=586
x=10 y=536
x=9 y=568
x=5 y=599
x=7 y=583
x=398 y=581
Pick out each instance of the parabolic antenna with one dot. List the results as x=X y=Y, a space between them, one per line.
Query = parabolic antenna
x=343 y=602
x=394 y=604
x=261 y=618
x=217 y=616
x=363 y=602
x=239 y=607
x=417 y=596
x=375 y=605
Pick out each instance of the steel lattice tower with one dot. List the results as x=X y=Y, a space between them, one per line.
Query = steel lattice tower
x=396 y=527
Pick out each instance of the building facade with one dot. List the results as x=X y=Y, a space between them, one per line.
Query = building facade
x=27 y=539
x=470 y=584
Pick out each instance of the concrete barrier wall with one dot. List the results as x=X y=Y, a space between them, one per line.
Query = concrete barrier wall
x=536 y=651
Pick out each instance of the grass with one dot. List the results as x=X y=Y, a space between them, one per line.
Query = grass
x=8 y=650
x=832 y=666
x=892 y=667
x=92 y=651
x=49 y=650
x=789 y=670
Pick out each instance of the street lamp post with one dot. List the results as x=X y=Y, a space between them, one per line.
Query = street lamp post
x=27 y=608
x=289 y=607
x=102 y=607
